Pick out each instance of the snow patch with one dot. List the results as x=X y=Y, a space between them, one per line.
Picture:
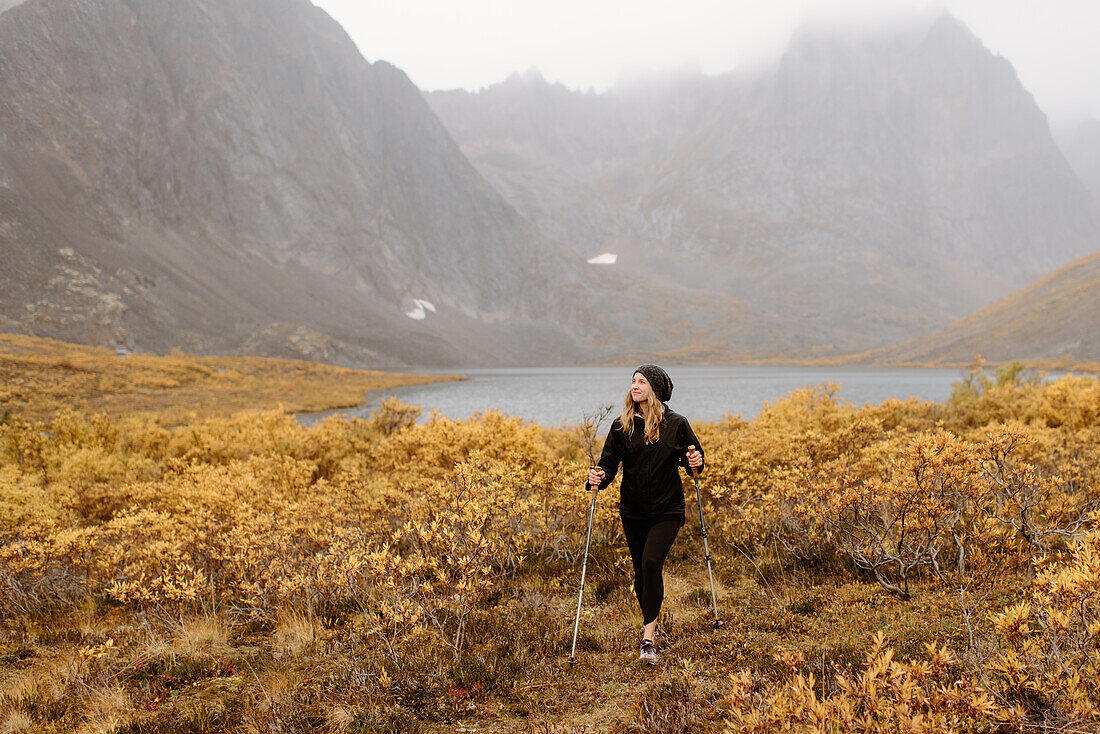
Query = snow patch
x=420 y=309
x=608 y=258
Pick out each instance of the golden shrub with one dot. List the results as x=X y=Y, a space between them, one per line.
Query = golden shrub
x=410 y=530
x=1048 y=661
x=916 y=697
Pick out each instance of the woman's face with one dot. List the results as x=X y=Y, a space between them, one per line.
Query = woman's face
x=639 y=388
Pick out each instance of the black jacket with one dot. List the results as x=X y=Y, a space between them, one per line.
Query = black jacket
x=651 y=477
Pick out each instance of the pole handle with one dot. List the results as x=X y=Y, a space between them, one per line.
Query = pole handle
x=694 y=473
x=594 y=487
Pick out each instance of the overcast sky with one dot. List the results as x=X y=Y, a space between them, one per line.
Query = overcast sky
x=447 y=44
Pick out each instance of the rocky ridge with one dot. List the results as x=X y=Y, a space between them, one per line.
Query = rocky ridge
x=201 y=175
x=860 y=192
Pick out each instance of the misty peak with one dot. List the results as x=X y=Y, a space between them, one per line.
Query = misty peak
x=888 y=26
x=950 y=37
x=532 y=77
x=947 y=26
x=935 y=33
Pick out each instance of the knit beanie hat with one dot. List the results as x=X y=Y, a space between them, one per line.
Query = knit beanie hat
x=658 y=379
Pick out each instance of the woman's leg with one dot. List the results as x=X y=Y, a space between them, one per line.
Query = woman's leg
x=658 y=542
x=636 y=532
x=649 y=544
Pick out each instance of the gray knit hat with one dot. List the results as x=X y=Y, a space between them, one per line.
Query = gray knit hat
x=658 y=379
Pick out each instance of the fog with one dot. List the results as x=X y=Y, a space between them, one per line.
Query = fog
x=584 y=45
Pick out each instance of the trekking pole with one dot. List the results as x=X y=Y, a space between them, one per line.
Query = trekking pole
x=706 y=546
x=584 y=568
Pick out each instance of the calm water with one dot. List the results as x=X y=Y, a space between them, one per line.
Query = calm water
x=555 y=395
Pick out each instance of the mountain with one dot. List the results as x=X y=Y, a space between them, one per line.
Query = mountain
x=234 y=176
x=1053 y=318
x=858 y=193
x=1082 y=150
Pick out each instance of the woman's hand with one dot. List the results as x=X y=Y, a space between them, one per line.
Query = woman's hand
x=695 y=459
x=595 y=476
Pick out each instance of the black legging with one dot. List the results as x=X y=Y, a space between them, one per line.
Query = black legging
x=649 y=542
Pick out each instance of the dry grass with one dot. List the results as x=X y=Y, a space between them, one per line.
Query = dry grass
x=16 y=722
x=108 y=708
x=205 y=634
x=294 y=633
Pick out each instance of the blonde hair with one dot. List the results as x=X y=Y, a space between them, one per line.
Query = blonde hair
x=653 y=412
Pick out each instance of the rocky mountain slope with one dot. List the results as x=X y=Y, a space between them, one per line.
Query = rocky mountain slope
x=860 y=192
x=1082 y=149
x=234 y=176
x=1053 y=318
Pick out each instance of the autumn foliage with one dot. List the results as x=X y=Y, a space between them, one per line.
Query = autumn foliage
x=436 y=560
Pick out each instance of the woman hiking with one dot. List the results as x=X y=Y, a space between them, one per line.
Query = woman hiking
x=652 y=443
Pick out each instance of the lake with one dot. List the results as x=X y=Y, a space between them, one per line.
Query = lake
x=556 y=395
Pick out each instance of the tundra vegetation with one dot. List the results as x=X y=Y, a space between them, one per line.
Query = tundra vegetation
x=903 y=567
x=39 y=377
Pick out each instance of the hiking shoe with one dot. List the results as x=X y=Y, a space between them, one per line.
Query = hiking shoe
x=648 y=653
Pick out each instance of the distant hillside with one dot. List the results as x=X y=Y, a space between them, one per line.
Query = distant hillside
x=860 y=192
x=235 y=177
x=44 y=377
x=1056 y=317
